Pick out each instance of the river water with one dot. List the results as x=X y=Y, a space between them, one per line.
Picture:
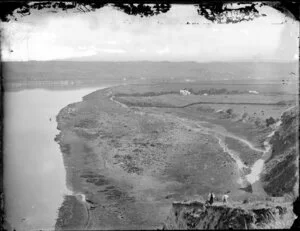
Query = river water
x=34 y=174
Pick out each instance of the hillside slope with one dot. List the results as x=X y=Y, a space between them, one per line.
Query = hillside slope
x=280 y=175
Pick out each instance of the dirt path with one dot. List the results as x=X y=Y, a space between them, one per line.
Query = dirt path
x=254 y=177
x=218 y=134
x=249 y=144
x=258 y=166
x=112 y=98
x=196 y=126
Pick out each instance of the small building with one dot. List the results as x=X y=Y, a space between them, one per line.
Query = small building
x=184 y=92
x=205 y=94
x=253 y=92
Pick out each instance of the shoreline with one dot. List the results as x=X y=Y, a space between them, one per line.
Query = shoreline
x=74 y=197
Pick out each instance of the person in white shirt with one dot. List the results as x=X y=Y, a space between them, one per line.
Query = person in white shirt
x=225 y=198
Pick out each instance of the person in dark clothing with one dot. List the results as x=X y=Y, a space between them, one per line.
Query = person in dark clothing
x=211 y=197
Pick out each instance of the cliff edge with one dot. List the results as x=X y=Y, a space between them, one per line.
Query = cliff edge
x=197 y=215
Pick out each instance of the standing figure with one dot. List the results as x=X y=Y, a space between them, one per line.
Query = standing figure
x=225 y=198
x=211 y=197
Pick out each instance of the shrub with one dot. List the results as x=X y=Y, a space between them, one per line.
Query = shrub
x=229 y=111
x=270 y=121
x=246 y=201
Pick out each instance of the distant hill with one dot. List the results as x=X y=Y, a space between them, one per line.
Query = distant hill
x=96 y=71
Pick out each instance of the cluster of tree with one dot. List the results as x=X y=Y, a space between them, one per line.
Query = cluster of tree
x=213 y=91
x=228 y=114
x=146 y=94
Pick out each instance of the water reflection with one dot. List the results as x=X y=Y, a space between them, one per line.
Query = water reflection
x=34 y=175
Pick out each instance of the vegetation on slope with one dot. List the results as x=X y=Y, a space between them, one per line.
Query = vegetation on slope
x=280 y=174
x=196 y=215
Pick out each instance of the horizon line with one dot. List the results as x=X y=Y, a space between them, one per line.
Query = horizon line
x=151 y=61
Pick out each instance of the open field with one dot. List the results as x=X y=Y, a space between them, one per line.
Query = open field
x=251 y=112
x=176 y=100
x=202 y=87
x=247 y=154
x=131 y=162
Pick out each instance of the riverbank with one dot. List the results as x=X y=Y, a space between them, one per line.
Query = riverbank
x=132 y=162
x=72 y=214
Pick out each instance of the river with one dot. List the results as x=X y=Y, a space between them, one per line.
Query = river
x=34 y=173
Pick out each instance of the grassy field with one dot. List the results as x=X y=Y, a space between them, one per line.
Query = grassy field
x=132 y=162
x=248 y=155
x=72 y=215
x=251 y=112
x=244 y=106
x=199 y=88
x=177 y=100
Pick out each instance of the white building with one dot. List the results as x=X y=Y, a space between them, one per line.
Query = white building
x=253 y=92
x=184 y=92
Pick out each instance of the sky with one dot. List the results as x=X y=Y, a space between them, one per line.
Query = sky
x=111 y=35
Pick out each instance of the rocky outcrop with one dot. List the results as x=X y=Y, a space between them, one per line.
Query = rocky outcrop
x=197 y=215
x=280 y=175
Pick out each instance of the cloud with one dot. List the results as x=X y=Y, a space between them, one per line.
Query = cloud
x=111 y=34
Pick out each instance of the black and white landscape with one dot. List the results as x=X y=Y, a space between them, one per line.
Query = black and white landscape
x=117 y=121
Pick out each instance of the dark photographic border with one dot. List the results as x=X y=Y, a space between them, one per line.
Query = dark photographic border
x=10 y=8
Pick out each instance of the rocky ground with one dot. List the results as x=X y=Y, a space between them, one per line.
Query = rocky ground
x=196 y=215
